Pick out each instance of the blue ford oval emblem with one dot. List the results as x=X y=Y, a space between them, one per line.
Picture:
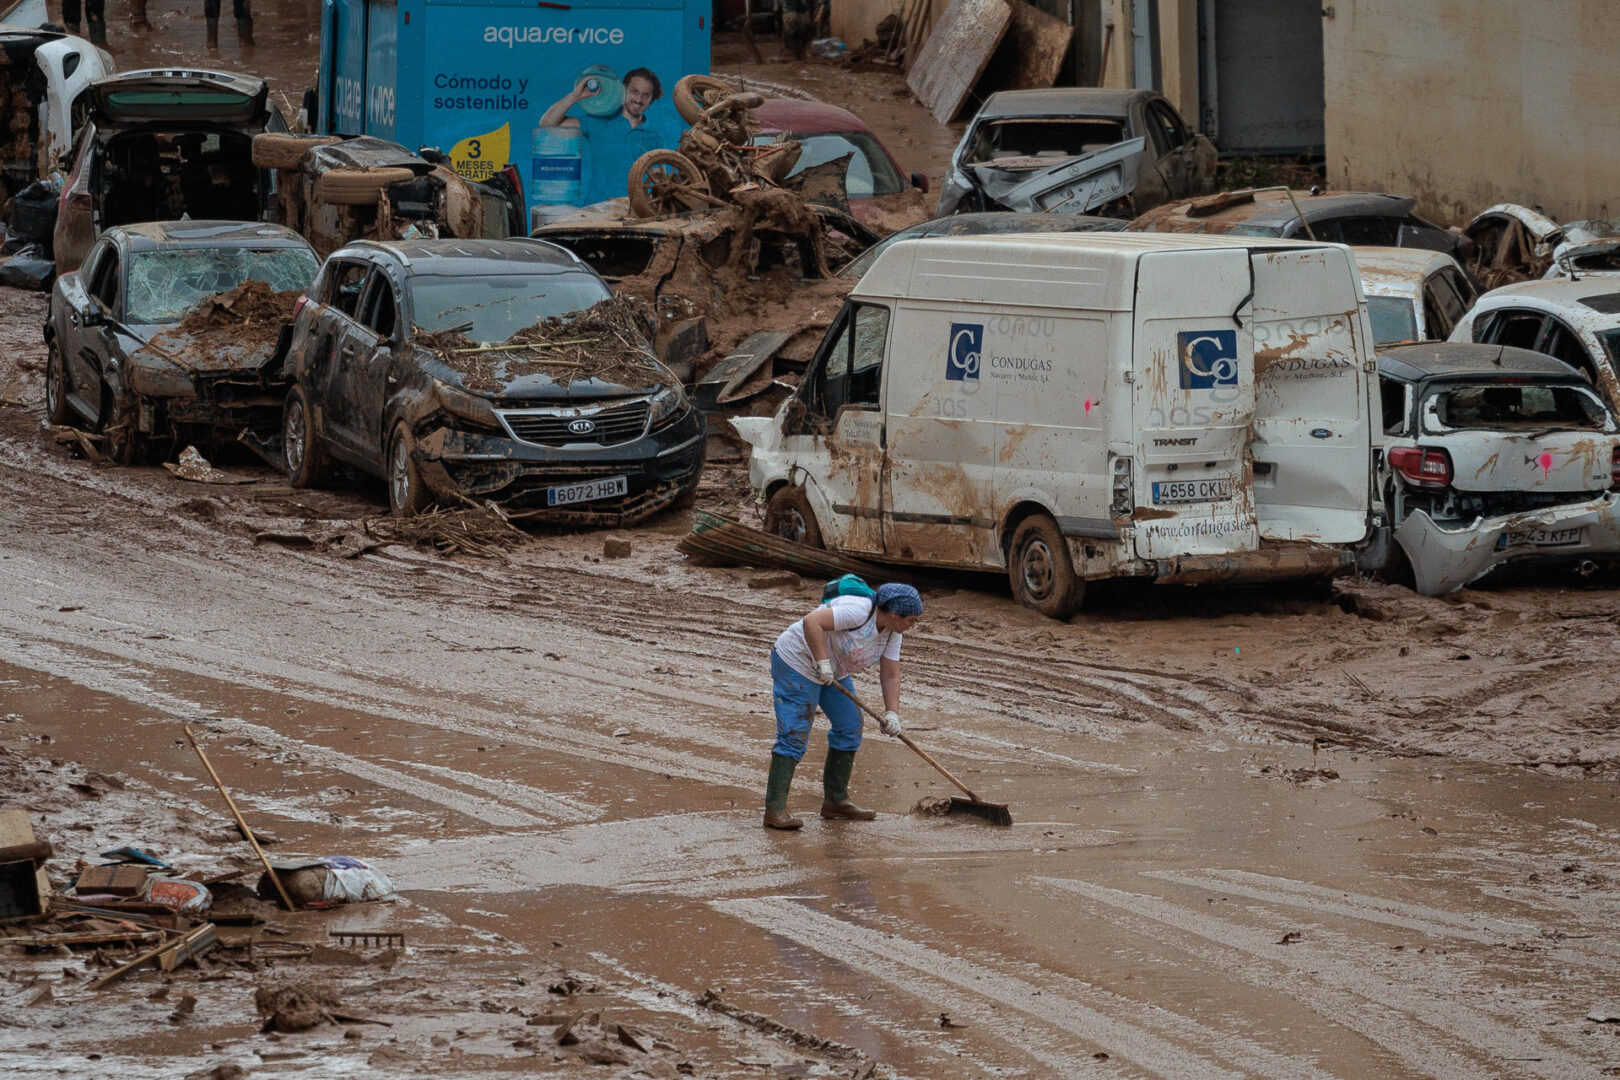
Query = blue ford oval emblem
x=1321 y=433
x=582 y=426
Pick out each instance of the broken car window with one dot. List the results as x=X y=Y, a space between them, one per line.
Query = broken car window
x=1393 y=319
x=1528 y=406
x=492 y=307
x=165 y=284
x=1563 y=343
x=866 y=361
x=1393 y=394
x=346 y=287
x=1055 y=139
x=870 y=172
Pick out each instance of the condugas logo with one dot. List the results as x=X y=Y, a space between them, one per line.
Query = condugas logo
x=963 y=352
x=1209 y=358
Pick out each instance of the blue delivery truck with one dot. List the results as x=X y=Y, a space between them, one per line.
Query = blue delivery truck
x=570 y=93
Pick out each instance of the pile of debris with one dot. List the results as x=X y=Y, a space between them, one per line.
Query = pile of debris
x=248 y=317
x=484 y=531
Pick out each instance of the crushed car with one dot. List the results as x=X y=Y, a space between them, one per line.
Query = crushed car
x=1412 y=294
x=170 y=333
x=161 y=145
x=1576 y=321
x=42 y=74
x=334 y=191
x=486 y=371
x=1493 y=455
x=1515 y=243
x=1357 y=218
x=1076 y=150
x=880 y=194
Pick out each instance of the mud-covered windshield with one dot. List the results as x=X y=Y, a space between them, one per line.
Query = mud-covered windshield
x=490 y=308
x=869 y=173
x=164 y=285
x=1003 y=140
x=1394 y=318
x=1515 y=408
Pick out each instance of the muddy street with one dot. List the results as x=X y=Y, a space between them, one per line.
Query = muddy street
x=1294 y=832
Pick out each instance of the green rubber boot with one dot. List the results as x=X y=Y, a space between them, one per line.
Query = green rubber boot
x=835 y=784
x=776 y=794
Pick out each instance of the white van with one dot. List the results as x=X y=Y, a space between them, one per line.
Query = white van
x=1075 y=406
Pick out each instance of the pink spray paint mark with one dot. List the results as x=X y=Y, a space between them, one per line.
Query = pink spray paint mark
x=1088 y=406
x=1546 y=463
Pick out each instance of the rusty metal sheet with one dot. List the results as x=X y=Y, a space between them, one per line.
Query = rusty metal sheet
x=719 y=541
x=1031 y=56
x=956 y=53
x=727 y=380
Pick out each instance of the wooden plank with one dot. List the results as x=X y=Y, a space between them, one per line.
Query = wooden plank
x=1031 y=56
x=955 y=54
x=167 y=955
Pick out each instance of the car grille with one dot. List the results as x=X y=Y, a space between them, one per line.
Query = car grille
x=614 y=425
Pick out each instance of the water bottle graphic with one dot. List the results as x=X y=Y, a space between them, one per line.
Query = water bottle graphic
x=609 y=97
x=555 y=167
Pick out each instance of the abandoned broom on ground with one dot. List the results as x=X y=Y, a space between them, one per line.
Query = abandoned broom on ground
x=848 y=633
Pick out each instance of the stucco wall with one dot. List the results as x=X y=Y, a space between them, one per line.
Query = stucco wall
x=1465 y=103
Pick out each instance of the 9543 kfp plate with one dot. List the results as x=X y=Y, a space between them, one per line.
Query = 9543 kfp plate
x=1539 y=538
x=1192 y=491
x=587 y=491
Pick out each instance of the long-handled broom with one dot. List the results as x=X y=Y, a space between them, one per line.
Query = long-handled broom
x=994 y=813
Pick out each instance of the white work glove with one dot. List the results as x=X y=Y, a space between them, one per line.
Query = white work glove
x=824 y=672
x=891 y=723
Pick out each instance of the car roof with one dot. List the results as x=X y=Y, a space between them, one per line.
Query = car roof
x=809 y=117
x=1595 y=301
x=515 y=256
x=1461 y=359
x=1389 y=271
x=1268 y=208
x=150 y=235
x=1076 y=101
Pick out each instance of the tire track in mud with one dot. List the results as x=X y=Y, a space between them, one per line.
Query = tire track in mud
x=1149 y=1036
x=1339 y=983
x=1422 y=919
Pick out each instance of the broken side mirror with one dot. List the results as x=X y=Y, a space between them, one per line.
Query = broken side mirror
x=95 y=314
x=920 y=182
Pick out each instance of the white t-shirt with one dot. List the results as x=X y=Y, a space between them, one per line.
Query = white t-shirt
x=855 y=641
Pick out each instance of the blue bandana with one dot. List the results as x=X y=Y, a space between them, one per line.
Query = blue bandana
x=899 y=599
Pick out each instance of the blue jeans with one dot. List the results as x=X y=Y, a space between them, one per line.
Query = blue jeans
x=796 y=698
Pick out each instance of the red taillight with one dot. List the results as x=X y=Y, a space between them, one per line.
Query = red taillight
x=1422 y=466
x=299 y=306
x=1614 y=470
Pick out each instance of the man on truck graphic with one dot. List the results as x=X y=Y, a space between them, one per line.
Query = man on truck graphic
x=612 y=142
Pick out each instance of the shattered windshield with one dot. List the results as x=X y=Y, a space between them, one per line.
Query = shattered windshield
x=1394 y=318
x=165 y=284
x=1005 y=141
x=1538 y=407
x=870 y=172
x=490 y=308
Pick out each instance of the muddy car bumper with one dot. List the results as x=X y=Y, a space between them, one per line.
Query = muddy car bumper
x=657 y=470
x=229 y=401
x=1445 y=559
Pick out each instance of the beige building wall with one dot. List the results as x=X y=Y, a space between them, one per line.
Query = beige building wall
x=1466 y=103
x=855 y=21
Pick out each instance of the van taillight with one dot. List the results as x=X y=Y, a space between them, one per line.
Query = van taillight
x=1422 y=466
x=1614 y=470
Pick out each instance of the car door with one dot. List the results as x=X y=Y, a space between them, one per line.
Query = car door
x=94 y=337
x=332 y=359
x=367 y=352
x=1443 y=306
x=1560 y=340
x=1172 y=148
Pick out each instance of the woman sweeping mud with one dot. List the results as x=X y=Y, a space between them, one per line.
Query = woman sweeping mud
x=847 y=634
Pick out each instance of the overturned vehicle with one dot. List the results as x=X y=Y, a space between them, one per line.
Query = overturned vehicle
x=472 y=372
x=171 y=333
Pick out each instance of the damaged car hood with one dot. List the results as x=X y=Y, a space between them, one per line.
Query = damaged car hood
x=1073 y=185
x=510 y=377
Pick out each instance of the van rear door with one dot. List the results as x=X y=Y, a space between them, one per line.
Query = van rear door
x=1193 y=403
x=1313 y=369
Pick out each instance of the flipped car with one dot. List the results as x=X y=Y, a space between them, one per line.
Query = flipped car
x=45 y=72
x=160 y=145
x=1518 y=243
x=1493 y=455
x=1577 y=322
x=1357 y=218
x=825 y=133
x=453 y=370
x=1412 y=294
x=1074 y=150
x=122 y=359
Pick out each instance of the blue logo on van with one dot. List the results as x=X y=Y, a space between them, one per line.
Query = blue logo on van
x=1209 y=358
x=963 y=352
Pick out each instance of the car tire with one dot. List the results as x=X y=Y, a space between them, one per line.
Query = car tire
x=57 y=409
x=407 y=497
x=666 y=182
x=789 y=516
x=357 y=187
x=694 y=94
x=300 y=445
x=281 y=150
x=1041 y=571
x=122 y=442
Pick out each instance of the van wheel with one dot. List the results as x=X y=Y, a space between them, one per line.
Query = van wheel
x=694 y=94
x=300 y=445
x=282 y=150
x=406 y=495
x=789 y=516
x=357 y=187
x=1041 y=571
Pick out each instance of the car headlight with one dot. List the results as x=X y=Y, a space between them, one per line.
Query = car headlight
x=472 y=408
x=668 y=405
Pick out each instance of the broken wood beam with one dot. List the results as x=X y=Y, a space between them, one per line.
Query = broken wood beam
x=195 y=942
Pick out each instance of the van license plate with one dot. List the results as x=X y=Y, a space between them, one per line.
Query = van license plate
x=590 y=490
x=1190 y=491
x=1539 y=538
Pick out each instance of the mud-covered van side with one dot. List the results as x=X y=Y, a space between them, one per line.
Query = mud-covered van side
x=1078 y=406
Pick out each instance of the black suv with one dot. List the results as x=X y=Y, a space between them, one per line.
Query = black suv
x=419 y=361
